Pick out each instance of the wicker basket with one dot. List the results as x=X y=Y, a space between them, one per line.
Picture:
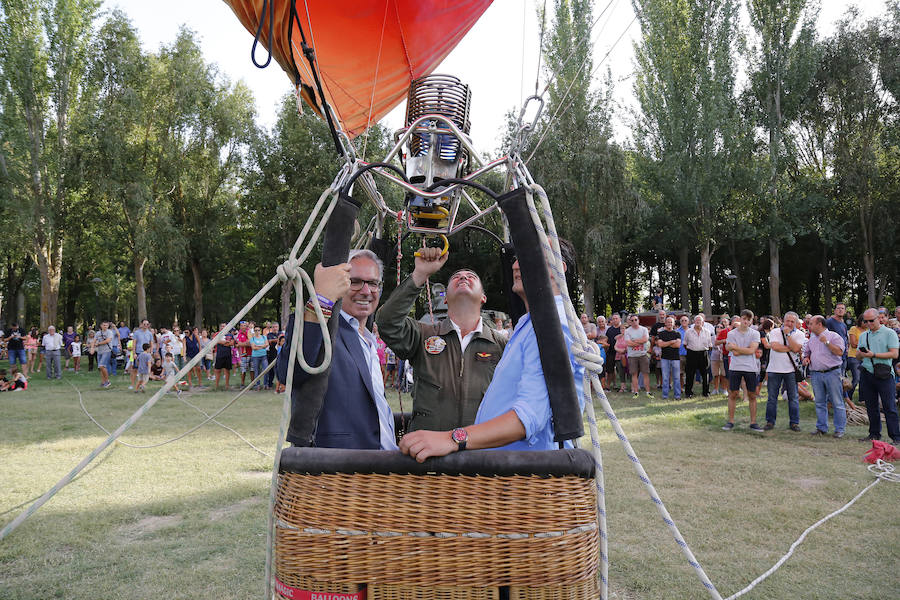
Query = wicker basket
x=460 y=527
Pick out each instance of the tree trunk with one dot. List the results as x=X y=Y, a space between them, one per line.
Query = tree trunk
x=198 y=293
x=589 y=293
x=20 y=308
x=774 y=278
x=286 y=289
x=683 y=277
x=705 y=277
x=49 y=260
x=140 y=291
x=738 y=282
x=826 y=281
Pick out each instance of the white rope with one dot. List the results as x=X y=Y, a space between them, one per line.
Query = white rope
x=209 y=418
x=550 y=244
x=882 y=471
x=289 y=271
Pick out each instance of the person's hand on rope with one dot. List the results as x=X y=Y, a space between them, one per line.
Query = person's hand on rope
x=332 y=282
x=425 y=444
x=428 y=262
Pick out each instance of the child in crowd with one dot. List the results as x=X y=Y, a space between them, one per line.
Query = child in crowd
x=144 y=360
x=156 y=371
x=170 y=369
x=75 y=349
x=4 y=382
x=19 y=382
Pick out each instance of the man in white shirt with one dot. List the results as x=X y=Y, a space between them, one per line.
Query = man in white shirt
x=52 y=343
x=697 y=342
x=785 y=344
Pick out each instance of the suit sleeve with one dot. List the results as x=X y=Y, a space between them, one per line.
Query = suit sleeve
x=312 y=347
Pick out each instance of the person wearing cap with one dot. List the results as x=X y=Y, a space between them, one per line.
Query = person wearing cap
x=453 y=361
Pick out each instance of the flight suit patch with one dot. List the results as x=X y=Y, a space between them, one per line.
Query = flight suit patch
x=435 y=344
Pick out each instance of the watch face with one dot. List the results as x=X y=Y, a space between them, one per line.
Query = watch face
x=459 y=435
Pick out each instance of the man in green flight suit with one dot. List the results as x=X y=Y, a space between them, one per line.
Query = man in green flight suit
x=453 y=361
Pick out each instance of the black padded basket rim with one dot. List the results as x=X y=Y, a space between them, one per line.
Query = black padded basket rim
x=570 y=462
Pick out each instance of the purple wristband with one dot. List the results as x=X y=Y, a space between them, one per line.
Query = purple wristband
x=325 y=302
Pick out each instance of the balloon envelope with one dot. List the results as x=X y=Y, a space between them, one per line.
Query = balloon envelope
x=367 y=51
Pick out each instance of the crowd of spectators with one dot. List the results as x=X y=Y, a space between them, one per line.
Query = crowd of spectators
x=824 y=359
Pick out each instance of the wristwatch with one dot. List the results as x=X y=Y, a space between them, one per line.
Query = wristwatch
x=460 y=436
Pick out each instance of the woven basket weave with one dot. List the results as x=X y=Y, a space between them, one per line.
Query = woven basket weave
x=438 y=535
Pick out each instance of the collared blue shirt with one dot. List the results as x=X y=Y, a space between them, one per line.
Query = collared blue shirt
x=385 y=415
x=682 y=349
x=518 y=384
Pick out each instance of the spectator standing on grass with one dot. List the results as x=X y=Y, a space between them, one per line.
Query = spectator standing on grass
x=669 y=342
x=852 y=360
x=785 y=344
x=103 y=341
x=742 y=343
x=142 y=335
x=637 y=339
x=684 y=323
x=32 y=341
x=824 y=354
x=76 y=353
x=613 y=360
x=68 y=337
x=192 y=349
x=836 y=324
x=258 y=356
x=15 y=347
x=53 y=344
x=697 y=341
x=590 y=330
x=272 y=353
x=223 y=361
x=144 y=361
x=878 y=346
x=91 y=351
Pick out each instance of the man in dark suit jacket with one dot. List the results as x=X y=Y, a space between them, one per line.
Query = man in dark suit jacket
x=355 y=413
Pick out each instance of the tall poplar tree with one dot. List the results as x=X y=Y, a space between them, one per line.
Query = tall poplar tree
x=688 y=128
x=581 y=167
x=43 y=52
x=784 y=62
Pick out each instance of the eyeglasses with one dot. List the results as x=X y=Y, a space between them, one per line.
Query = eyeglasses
x=357 y=284
x=868 y=320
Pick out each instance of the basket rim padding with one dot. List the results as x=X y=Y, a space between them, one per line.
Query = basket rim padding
x=500 y=463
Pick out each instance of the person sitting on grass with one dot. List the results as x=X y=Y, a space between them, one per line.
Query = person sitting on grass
x=4 y=382
x=156 y=371
x=143 y=361
x=19 y=381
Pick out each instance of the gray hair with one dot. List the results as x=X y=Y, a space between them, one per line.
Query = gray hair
x=789 y=313
x=366 y=253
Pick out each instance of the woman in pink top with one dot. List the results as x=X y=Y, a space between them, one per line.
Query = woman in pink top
x=31 y=348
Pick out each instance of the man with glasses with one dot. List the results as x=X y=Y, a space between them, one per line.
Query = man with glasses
x=785 y=344
x=878 y=346
x=355 y=413
x=453 y=361
x=636 y=338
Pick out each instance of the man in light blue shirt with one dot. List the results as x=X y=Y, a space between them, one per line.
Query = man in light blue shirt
x=515 y=413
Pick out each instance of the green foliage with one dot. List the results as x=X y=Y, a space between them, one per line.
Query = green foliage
x=582 y=169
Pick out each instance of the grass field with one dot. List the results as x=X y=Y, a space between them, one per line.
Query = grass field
x=187 y=519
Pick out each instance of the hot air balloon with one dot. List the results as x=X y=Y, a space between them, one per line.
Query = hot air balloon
x=355 y=524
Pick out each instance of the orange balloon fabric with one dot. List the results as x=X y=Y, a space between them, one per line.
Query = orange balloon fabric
x=367 y=51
